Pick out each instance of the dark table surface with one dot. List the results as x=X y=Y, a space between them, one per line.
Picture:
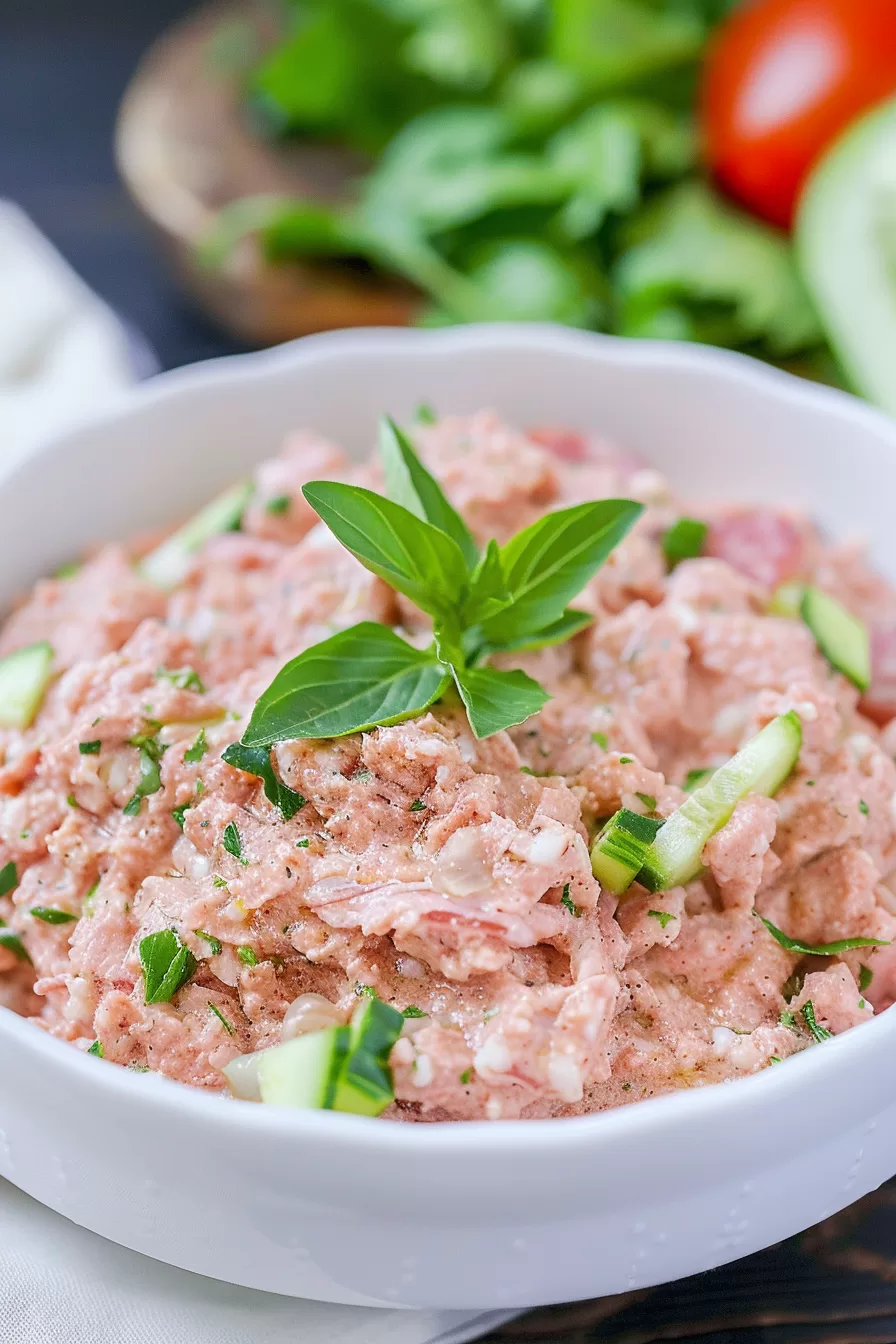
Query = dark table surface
x=63 y=67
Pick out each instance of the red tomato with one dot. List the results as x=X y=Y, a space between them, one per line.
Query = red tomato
x=782 y=79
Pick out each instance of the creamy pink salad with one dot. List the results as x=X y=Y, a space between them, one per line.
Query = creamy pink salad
x=448 y=875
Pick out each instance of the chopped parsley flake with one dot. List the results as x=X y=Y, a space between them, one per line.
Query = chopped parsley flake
x=865 y=977
x=626 y=1087
x=9 y=878
x=601 y=740
x=787 y=1019
x=72 y=800
x=13 y=943
x=418 y=805
x=663 y=916
x=90 y=748
x=151 y=751
x=221 y=1018
x=413 y=1011
x=424 y=414
x=810 y=783
x=279 y=504
x=303 y=843
x=365 y=991
x=51 y=914
x=863 y=807
x=466 y=1076
x=194 y=754
x=178 y=813
x=167 y=965
x=862 y=1003
x=246 y=955
x=232 y=842
x=774 y=1059
x=626 y=760
x=820 y=1033
x=97 y=1049
x=219 y=882
x=213 y=942
x=648 y=800
x=184 y=678
x=570 y=904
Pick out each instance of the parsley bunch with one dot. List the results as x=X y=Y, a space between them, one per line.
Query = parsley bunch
x=506 y=598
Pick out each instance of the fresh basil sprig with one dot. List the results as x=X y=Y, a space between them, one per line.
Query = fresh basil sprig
x=508 y=598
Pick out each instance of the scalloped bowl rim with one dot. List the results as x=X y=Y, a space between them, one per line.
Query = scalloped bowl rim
x=442 y=1136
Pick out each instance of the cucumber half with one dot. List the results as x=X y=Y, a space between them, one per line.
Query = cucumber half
x=675 y=857
x=846 y=245
x=24 y=677
x=842 y=638
x=168 y=563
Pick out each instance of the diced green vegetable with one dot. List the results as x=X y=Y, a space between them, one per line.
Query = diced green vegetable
x=365 y=1083
x=304 y=1072
x=24 y=677
x=675 y=857
x=621 y=849
x=684 y=540
x=844 y=240
x=842 y=638
x=168 y=563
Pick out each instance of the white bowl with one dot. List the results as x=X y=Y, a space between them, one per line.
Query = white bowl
x=345 y=1209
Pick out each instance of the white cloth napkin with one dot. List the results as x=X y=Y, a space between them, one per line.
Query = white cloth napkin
x=63 y=355
x=62 y=1285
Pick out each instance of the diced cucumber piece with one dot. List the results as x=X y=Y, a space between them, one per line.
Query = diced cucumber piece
x=760 y=767
x=24 y=677
x=846 y=244
x=365 y=1084
x=842 y=638
x=168 y=563
x=304 y=1072
x=621 y=848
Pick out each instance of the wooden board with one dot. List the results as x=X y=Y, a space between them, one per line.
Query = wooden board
x=185 y=148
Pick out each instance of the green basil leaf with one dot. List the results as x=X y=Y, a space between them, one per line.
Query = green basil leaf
x=548 y=563
x=408 y=553
x=820 y=949
x=167 y=965
x=257 y=761
x=9 y=878
x=488 y=589
x=571 y=623
x=353 y=681
x=410 y=484
x=495 y=700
